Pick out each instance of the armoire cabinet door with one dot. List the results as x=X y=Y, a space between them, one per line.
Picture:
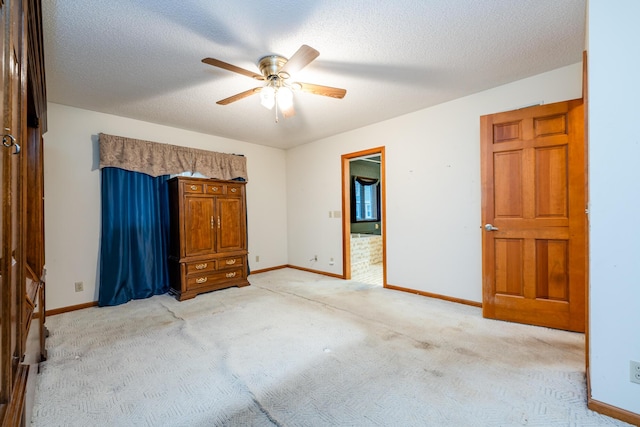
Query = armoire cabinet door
x=199 y=234
x=12 y=264
x=231 y=226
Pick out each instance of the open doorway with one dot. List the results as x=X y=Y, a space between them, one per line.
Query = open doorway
x=363 y=224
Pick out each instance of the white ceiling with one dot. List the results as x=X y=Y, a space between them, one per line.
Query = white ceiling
x=142 y=58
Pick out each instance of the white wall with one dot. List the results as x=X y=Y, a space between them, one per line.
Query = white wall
x=72 y=196
x=614 y=186
x=432 y=186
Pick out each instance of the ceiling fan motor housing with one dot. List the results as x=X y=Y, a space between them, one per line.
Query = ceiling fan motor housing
x=271 y=65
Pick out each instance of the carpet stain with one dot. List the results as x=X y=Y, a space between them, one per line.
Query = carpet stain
x=466 y=352
x=434 y=372
x=390 y=336
x=425 y=345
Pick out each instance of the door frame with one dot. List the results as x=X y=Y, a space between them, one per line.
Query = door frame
x=346 y=210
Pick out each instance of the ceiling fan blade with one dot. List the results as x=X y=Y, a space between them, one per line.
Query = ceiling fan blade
x=300 y=59
x=333 y=92
x=229 y=67
x=239 y=96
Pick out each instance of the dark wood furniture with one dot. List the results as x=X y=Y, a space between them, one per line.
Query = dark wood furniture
x=208 y=247
x=22 y=309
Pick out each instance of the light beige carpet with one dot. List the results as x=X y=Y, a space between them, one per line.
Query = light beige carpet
x=299 y=349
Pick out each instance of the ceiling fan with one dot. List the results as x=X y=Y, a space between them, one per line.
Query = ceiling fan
x=276 y=71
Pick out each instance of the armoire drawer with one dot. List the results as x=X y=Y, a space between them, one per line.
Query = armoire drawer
x=207 y=279
x=200 y=267
x=190 y=187
x=214 y=188
x=230 y=262
x=234 y=190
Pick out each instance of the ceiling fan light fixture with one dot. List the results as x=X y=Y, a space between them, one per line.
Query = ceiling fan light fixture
x=268 y=97
x=284 y=96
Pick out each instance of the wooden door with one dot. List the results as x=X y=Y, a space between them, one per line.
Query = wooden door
x=5 y=231
x=199 y=231
x=12 y=257
x=231 y=224
x=534 y=198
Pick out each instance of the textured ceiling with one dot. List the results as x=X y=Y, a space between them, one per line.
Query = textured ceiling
x=142 y=58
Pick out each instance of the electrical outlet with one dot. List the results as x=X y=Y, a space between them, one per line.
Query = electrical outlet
x=79 y=286
x=634 y=371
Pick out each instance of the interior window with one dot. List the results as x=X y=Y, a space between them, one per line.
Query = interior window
x=365 y=200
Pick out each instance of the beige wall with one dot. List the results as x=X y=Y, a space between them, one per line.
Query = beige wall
x=614 y=185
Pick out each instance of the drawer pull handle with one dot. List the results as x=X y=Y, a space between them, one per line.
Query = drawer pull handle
x=201 y=266
x=231 y=261
x=215 y=188
x=229 y=275
x=193 y=187
x=9 y=140
x=201 y=280
x=233 y=190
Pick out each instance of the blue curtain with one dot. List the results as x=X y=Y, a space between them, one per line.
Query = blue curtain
x=135 y=236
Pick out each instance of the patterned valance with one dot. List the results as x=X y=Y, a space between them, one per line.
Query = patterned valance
x=157 y=159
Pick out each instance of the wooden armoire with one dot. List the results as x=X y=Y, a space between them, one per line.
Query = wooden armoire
x=22 y=267
x=208 y=245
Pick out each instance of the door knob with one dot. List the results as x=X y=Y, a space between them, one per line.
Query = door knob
x=490 y=227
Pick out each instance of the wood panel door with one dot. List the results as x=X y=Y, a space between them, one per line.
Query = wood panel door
x=533 y=213
x=12 y=263
x=6 y=226
x=231 y=226
x=199 y=231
